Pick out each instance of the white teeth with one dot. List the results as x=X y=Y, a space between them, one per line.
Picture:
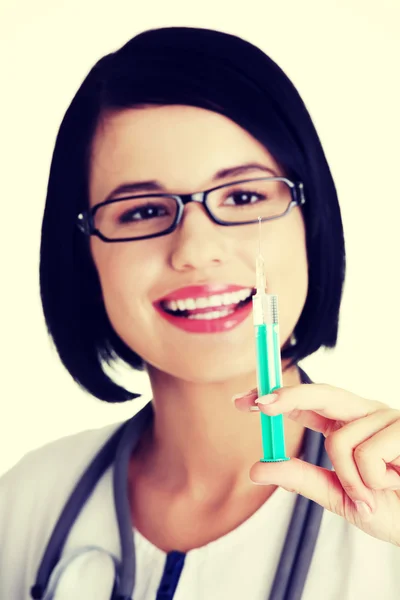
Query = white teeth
x=202 y=303
x=243 y=294
x=181 y=304
x=211 y=301
x=216 y=300
x=215 y=314
x=190 y=304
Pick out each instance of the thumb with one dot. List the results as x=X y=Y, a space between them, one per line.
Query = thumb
x=316 y=483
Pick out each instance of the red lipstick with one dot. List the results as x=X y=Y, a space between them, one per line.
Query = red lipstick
x=231 y=314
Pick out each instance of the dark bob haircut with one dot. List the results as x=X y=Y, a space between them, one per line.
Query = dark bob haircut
x=210 y=70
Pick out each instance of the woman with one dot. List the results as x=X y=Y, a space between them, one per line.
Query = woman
x=137 y=263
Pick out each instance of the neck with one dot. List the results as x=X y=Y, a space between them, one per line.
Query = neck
x=199 y=443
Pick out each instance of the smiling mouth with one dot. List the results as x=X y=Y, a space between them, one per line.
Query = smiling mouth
x=208 y=308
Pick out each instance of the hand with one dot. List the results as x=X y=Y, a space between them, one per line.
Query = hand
x=363 y=444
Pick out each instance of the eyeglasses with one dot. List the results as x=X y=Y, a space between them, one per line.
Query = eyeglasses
x=152 y=215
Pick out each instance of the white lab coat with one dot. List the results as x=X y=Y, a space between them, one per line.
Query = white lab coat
x=347 y=564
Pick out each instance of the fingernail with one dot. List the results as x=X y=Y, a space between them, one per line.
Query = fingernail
x=254 y=409
x=268 y=399
x=363 y=509
x=247 y=394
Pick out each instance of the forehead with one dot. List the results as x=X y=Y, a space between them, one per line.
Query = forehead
x=181 y=146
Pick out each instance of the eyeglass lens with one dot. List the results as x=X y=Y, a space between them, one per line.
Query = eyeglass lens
x=236 y=203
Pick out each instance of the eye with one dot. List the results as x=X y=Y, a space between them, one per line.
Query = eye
x=139 y=213
x=240 y=198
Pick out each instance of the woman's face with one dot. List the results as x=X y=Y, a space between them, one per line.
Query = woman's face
x=182 y=148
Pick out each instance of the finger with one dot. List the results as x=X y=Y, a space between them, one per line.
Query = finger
x=330 y=402
x=375 y=456
x=248 y=401
x=316 y=483
x=245 y=401
x=342 y=447
x=310 y=419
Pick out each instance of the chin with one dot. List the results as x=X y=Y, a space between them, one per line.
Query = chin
x=203 y=369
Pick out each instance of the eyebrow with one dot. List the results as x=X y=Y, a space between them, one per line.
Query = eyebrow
x=156 y=186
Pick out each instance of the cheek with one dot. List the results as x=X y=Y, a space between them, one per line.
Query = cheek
x=288 y=277
x=293 y=264
x=285 y=251
x=125 y=278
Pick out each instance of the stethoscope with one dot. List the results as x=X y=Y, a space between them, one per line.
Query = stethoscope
x=295 y=559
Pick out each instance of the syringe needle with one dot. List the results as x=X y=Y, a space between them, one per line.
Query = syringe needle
x=260 y=271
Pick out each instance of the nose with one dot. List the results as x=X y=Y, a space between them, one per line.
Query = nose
x=198 y=243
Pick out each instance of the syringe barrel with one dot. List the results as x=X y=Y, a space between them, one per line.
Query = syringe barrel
x=265 y=309
x=269 y=373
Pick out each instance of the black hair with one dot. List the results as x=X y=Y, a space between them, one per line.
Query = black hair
x=208 y=69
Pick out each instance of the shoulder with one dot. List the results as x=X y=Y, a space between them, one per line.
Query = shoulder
x=32 y=494
x=57 y=460
x=49 y=473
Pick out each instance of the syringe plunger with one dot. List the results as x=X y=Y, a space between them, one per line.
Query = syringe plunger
x=265 y=309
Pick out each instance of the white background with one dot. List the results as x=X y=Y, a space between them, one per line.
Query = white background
x=344 y=57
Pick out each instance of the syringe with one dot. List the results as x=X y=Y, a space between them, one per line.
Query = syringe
x=268 y=355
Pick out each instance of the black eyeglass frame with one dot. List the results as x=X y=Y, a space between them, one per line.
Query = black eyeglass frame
x=85 y=220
